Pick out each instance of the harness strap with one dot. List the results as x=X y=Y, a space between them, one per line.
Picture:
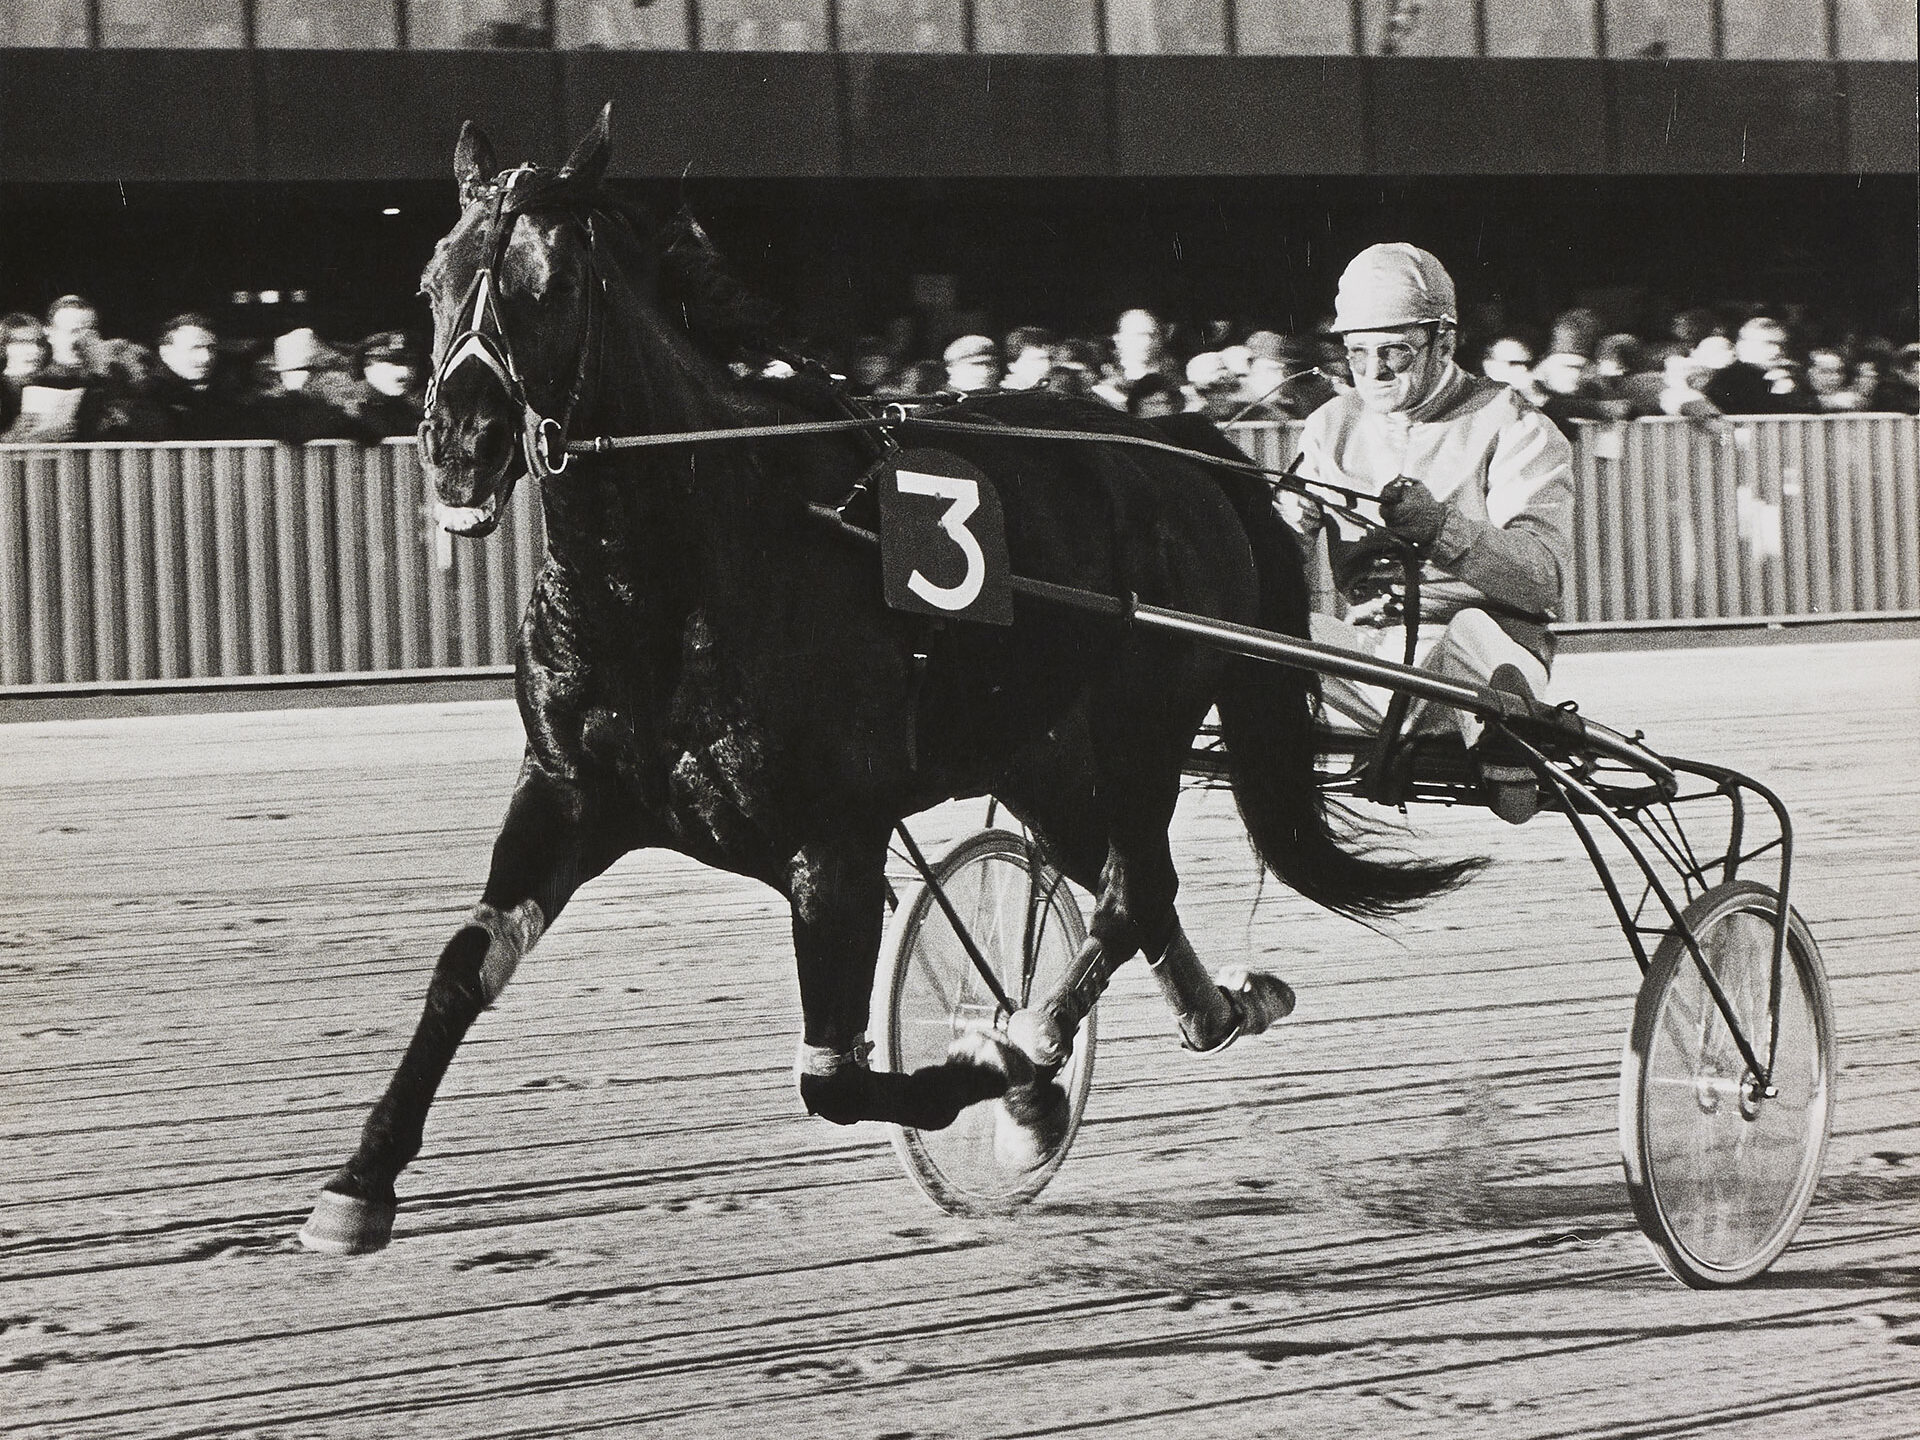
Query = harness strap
x=1288 y=478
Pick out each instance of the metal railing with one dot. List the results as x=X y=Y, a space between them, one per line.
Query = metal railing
x=1755 y=518
x=181 y=561
x=178 y=561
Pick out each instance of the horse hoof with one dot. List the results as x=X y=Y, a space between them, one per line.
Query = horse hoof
x=989 y=1051
x=1038 y=1036
x=346 y=1225
x=1261 y=999
x=1030 y=1124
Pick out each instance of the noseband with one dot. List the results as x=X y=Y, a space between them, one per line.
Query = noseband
x=484 y=341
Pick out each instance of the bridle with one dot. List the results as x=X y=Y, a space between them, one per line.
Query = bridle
x=483 y=339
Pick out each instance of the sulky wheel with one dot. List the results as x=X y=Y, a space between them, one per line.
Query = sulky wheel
x=1026 y=923
x=1720 y=1175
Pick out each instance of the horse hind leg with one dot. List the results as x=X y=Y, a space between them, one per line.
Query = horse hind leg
x=1136 y=911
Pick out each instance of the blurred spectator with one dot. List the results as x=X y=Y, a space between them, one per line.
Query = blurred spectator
x=306 y=395
x=73 y=329
x=1760 y=379
x=1898 y=389
x=201 y=397
x=872 y=366
x=1284 y=380
x=1830 y=380
x=1690 y=327
x=26 y=342
x=1899 y=386
x=1076 y=369
x=1029 y=353
x=922 y=377
x=973 y=364
x=1576 y=332
x=122 y=405
x=1567 y=393
x=1153 y=395
x=1681 y=381
x=1510 y=361
x=1216 y=386
x=26 y=347
x=1615 y=358
x=1139 y=344
x=389 y=403
x=54 y=403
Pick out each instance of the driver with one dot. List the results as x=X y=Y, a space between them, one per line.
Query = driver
x=1467 y=470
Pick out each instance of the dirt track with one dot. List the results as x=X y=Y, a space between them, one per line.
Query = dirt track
x=1401 y=1216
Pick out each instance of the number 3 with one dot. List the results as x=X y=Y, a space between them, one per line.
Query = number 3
x=965 y=495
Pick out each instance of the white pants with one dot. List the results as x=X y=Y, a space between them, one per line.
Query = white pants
x=1468 y=648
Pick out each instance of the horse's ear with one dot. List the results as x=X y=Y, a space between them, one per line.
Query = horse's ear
x=473 y=162
x=589 y=159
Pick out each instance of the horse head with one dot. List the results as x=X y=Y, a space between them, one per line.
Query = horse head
x=513 y=289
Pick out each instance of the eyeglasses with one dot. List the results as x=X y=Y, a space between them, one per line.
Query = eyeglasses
x=1396 y=357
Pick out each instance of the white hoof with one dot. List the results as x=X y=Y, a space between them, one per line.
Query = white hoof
x=1262 y=999
x=346 y=1225
x=991 y=1051
x=1039 y=1038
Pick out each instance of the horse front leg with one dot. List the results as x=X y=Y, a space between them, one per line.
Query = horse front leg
x=838 y=893
x=544 y=852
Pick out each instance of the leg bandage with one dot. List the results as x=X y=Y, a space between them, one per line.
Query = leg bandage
x=1045 y=1031
x=510 y=935
x=822 y=1062
x=1207 y=1016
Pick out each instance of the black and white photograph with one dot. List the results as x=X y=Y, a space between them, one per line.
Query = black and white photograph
x=951 y=719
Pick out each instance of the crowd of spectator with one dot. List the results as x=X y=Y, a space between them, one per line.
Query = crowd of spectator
x=1709 y=363
x=64 y=381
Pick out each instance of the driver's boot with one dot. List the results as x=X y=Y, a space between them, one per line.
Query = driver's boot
x=1507 y=780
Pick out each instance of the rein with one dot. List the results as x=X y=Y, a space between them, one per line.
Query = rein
x=1286 y=479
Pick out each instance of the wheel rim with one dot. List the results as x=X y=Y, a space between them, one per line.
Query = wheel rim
x=1731 y=1172
x=938 y=994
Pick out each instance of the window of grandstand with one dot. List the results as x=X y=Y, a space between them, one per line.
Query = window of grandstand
x=1660 y=29
x=620 y=25
x=911 y=26
x=173 y=24
x=1877 y=29
x=763 y=24
x=41 y=23
x=1418 y=27
x=1036 y=27
x=324 y=24
x=1774 y=30
x=1540 y=27
x=1295 y=27
x=1167 y=27
x=476 y=24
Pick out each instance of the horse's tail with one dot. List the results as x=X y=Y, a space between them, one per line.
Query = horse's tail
x=1266 y=717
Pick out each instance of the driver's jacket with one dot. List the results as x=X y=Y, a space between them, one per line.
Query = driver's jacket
x=1503 y=471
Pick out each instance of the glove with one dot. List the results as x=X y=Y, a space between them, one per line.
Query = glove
x=1411 y=512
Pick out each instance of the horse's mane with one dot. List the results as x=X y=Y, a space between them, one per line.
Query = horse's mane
x=727 y=320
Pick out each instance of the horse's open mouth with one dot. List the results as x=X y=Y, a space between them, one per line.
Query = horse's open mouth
x=472 y=521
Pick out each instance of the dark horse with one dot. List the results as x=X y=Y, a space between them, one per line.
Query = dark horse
x=703 y=666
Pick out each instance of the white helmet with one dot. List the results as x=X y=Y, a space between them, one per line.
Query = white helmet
x=1387 y=286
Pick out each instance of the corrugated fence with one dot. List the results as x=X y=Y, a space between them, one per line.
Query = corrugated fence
x=179 y=561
